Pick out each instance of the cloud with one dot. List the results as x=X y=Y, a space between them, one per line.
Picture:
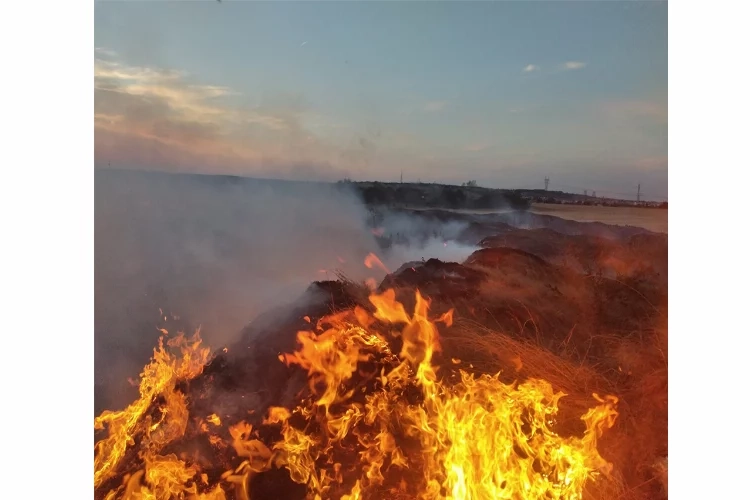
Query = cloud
x=106 y=71
x=148 y=117
x=571 y=65
x=434 y=106
x=103 y=51
x=530 y=68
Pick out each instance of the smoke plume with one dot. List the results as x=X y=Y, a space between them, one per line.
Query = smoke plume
x=182 y=251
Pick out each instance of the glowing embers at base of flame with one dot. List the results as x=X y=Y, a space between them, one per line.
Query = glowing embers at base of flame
x=376 y=423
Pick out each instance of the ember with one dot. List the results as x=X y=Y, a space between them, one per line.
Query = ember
x=373 y=260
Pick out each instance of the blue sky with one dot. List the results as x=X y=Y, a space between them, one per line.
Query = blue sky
x=502 y=92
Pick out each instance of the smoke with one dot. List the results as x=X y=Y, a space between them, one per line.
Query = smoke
x=413 y=227
x=182 y=251
x=202 y=251
x=447 y=251
x=412 y=237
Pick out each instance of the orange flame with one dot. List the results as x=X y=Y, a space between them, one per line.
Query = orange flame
x=159 y=378
x=399 y=428
x=470 y=434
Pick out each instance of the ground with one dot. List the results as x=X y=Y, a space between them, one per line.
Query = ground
x=649 y=218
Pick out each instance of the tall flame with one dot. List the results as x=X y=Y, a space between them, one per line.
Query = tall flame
x=158 y=379
x=375 y=423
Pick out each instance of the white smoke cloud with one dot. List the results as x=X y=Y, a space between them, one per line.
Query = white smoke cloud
x=447 y=251
x=415 y=238
x=217 y=252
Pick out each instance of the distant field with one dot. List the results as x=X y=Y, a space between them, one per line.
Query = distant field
x=653 y=219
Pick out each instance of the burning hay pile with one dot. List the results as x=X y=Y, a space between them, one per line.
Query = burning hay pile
x=396 y=395
x=373 y=423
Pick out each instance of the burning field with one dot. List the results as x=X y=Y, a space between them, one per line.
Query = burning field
x=535 y=368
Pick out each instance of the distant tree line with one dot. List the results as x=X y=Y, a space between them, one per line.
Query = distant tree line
x=440 y=196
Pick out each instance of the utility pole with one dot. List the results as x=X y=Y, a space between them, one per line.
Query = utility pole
x=546 y=183
x=402 y=177
x=638 y=196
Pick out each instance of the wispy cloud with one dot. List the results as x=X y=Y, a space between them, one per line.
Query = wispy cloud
x=434 y=106
x=105 y=52
x=110 y=70
x=157 y=117
x=531 y=67
x=571 y=65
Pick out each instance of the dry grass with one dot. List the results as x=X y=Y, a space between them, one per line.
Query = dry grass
x=636 y=445
x=652 y=219
x=530 y=321
x=483 y=350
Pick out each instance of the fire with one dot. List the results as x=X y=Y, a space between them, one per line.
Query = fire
x=375 y=423
x=158 y=380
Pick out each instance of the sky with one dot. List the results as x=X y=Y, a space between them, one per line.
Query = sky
x=504 y=93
